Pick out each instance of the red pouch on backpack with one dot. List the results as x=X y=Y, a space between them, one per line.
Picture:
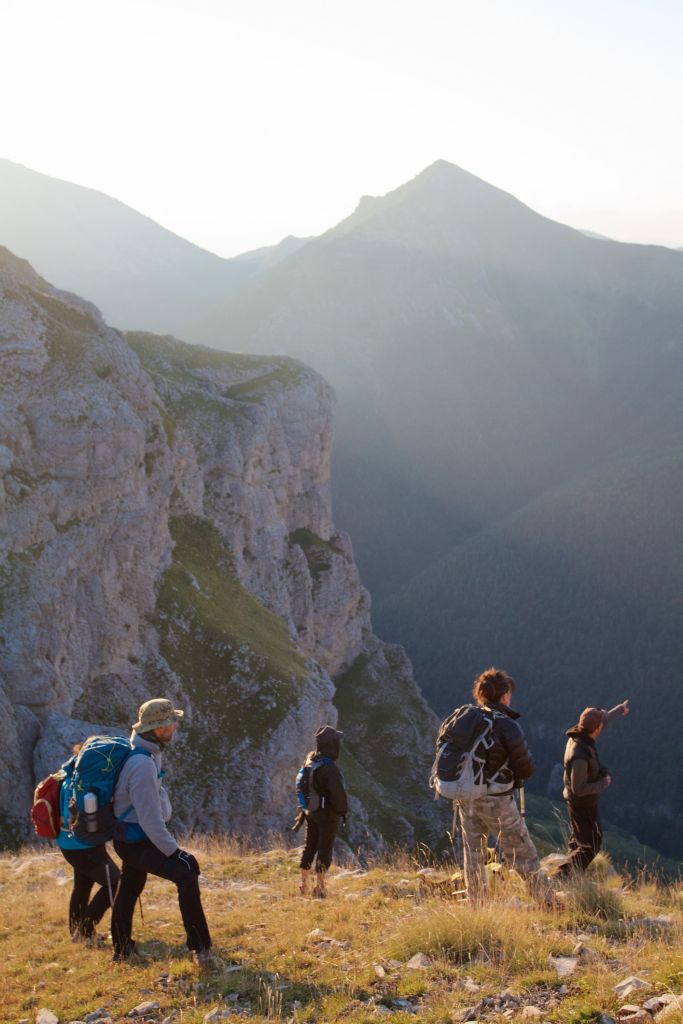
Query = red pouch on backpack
x=45 y=809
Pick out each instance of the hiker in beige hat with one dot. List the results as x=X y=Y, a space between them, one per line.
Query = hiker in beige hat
x=142 y=839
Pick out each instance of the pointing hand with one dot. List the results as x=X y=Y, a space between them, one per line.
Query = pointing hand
x=625 y=708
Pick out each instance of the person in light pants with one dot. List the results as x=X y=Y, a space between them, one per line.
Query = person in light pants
x=508 y=764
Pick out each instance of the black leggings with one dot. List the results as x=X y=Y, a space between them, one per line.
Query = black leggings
x=321 y=831
x=90 y=868
x=139 y=860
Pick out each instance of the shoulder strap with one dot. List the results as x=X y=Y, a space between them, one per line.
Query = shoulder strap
x=491 y=714
x=133 y=750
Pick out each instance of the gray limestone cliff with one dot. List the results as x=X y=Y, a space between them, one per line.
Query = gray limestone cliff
x=166 y=528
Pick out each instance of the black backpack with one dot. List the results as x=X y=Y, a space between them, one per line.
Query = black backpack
x=461 y=746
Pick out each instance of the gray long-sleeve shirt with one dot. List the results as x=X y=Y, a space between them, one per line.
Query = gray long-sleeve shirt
x=139 y=787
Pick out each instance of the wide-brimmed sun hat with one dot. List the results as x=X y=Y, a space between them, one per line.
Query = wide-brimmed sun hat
x=155 y=714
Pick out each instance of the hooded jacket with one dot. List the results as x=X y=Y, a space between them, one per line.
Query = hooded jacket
x=585 y=778
x=328 y=779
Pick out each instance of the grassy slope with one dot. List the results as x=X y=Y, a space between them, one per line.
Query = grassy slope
x=234 y=658
x=261 y=929
x=179 y=362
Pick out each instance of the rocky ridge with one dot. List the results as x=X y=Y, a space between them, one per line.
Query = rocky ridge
x=165 y=526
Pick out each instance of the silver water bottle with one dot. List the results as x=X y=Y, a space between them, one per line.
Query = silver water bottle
x=90 y=811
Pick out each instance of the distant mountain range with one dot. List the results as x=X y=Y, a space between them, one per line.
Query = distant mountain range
x=508 y=459
x=138 y=273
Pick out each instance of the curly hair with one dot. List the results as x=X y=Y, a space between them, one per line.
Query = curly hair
x=491 y=685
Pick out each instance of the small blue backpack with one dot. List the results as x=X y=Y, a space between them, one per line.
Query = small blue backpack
x=306 y=793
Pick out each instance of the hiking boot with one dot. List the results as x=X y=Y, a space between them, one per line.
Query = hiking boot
x=305 y=887
x=83 y=933
x=130 y=954
x=320 y=890
x=207 y=960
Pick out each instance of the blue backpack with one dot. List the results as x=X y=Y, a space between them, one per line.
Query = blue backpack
x=306 y=793
x=95 y=773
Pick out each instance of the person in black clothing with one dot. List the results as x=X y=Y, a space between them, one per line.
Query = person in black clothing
x=92 y=866
x=585 y=779
x=322 y=825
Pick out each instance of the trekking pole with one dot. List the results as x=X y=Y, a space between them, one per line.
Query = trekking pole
x=111 y=894
x=457 y=841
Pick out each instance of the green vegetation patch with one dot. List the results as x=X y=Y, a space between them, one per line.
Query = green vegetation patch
x=168 y=423
x=11 y=832
x=316 y=550
x=234 y=658
x=384 y=809
x=379 y=749
x=70 y=524
x=153 y=349
x=286 y=373
x=201 y=402
x=15 y=574
x=68 y=328
x=178 y=362
x=22 y=477
x=383 y=722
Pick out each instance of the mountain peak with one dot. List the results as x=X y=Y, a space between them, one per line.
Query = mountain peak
x=442 y=170
x=449 y=181
x=441 y=203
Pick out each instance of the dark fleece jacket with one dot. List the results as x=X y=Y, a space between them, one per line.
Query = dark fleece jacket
x=585 y=778
x=328 y=779
x=509 y=745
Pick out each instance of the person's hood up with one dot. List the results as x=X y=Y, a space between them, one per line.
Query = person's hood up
x=328 y=741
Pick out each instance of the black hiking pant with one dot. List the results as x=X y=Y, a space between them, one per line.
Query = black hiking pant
x=321 y=832
x=139 y=860
x=90 y=868
x=585 y=841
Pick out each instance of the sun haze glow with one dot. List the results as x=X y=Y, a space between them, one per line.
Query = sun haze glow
x=236 y=123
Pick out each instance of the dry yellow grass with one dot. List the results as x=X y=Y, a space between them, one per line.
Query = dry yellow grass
x=356 y=970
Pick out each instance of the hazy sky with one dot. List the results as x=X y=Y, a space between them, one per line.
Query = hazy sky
x=236 y=123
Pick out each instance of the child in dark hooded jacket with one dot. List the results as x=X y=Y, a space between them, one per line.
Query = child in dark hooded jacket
x=322 y=825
